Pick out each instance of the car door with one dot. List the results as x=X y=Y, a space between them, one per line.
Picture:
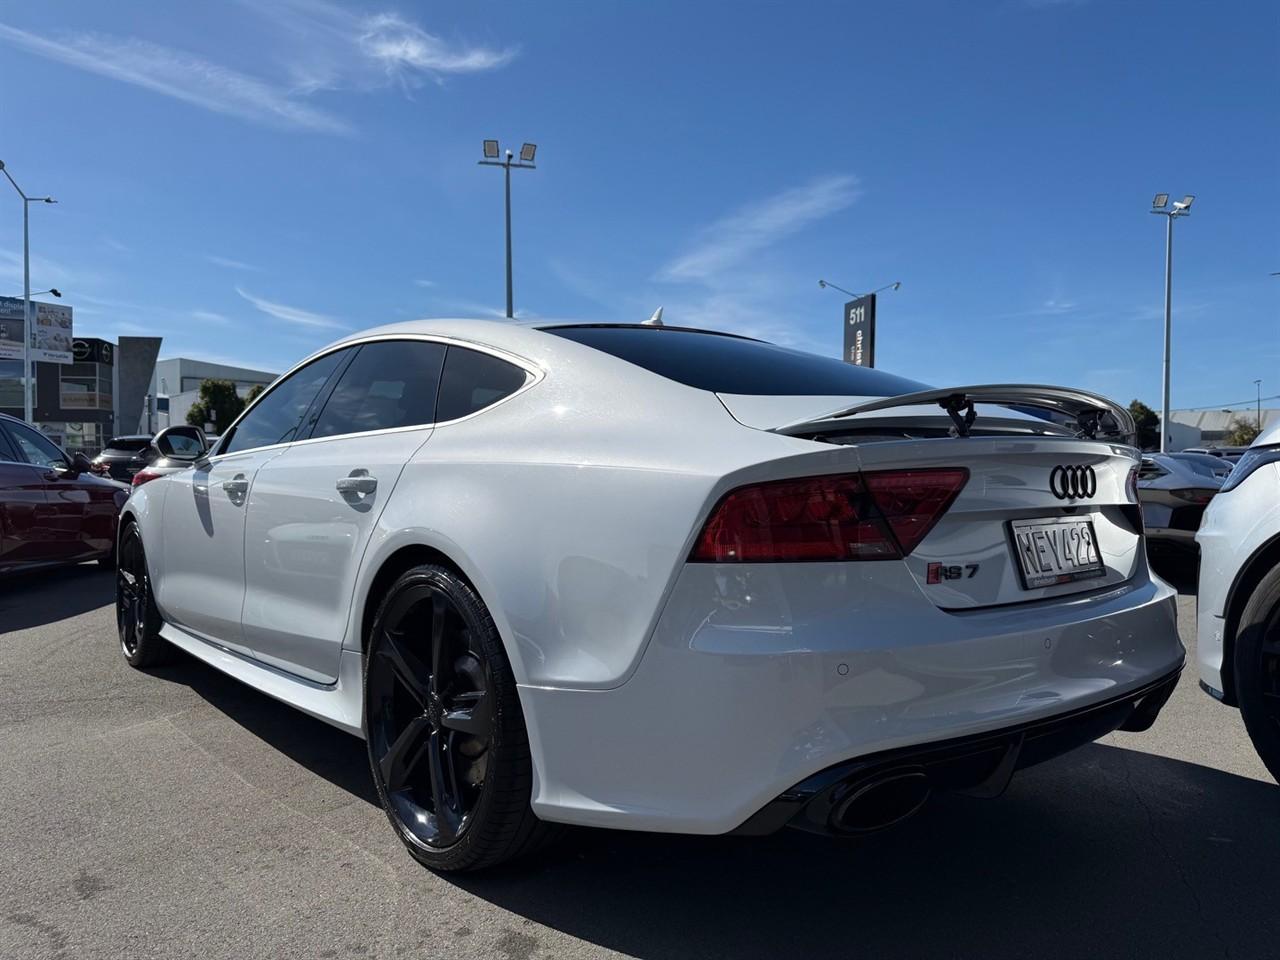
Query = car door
x=24 y=538
x=199 y=580
x=66 y=505
x=312 y=508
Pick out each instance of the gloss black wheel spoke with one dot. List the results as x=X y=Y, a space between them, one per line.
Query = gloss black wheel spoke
x=469 y=714
x=405 y=752
x=406 y=666
x=445 y=812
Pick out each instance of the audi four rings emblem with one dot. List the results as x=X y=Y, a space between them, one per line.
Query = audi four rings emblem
x=1072 y=483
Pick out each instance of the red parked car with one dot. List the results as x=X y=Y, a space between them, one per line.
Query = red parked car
x=53 y=509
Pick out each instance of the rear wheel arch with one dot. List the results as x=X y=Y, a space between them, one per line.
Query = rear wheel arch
x=1265 y=559
x=403 y=559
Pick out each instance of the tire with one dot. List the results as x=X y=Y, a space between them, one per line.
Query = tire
x=1257 y=667
x=137 y=619
x=448 y=749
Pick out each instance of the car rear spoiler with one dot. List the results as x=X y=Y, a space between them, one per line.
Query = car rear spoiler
x=1093 y=417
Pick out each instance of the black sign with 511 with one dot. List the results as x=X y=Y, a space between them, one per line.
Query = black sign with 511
x=860 y=331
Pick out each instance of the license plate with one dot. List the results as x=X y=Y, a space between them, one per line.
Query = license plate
x=1056 y=550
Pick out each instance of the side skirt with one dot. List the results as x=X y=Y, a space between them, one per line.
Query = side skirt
x=337 y=703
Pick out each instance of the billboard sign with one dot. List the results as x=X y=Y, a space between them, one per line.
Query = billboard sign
x=860 y=331
x=53 y=333
x=10 y=328
x=53 y=341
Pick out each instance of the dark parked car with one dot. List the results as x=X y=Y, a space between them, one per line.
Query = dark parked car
x=53 y=508
x=124 y=456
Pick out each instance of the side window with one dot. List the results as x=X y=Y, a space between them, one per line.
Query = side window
x=6 y=449
x=35 y=447
x=276 y=416
x=472 y=381
x=388 y=384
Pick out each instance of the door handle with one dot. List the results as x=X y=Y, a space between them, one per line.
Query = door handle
x=237 y=486
x=358 y=482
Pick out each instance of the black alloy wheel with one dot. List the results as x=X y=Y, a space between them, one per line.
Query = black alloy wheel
x=1257 y=666
x=446 y=738
x=137 y=620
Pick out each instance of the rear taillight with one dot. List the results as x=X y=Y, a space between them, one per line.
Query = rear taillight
x=142 y=476
x=858 y=516
x=1131 y=485
x=1194 y=495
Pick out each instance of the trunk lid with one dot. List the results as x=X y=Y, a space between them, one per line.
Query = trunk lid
x=1021 y=527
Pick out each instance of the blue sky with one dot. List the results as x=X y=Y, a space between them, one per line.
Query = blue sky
x=251 y=180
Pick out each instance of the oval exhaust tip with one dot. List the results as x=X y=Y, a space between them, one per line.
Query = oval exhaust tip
x=881 y=801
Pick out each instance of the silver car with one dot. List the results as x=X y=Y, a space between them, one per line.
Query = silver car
x=1173 y=493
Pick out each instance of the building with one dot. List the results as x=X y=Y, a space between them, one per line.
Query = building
x=1214 y=424
x=175 y=387
x=80 y=405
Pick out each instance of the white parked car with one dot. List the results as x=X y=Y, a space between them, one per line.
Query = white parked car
x=1238 y=604
x=660 y=579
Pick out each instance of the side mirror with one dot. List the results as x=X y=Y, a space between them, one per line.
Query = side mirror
x=181 y=442
x=80 y=463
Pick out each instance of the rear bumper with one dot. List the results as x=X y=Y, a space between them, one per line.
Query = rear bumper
x=757 y=678
x=981 y=765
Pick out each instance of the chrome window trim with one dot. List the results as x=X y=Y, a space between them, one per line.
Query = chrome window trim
x=533 y=376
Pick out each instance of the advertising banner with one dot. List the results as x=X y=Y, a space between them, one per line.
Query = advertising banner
x=52 y=326
x=860 y=331
x=10 y=328
x=53 y=333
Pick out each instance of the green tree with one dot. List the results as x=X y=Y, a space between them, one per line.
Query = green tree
x=1241 y=432
x=1148 y=424
x=252 y=395
x=219 y=404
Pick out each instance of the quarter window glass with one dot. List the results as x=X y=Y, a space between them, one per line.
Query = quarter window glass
x=276 y=416
x=472 y=381
x=389 y=384
x=35 y=448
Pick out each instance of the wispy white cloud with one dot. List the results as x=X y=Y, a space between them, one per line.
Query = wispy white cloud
x=730 y=239
x=114 y=244
x=295 y=315
x=210 y=316
x=229 y=263
x=335 y=47
x=181 y=75
x=425 y=283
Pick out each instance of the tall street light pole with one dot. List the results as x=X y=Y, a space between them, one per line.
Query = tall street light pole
x=1258 y=384
x=1181 y=208
x=525 y=162
x=27 y=385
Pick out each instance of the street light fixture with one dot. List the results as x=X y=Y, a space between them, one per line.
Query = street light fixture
x=40 y=293
x=827 y=283
x=27 y=385
x=1181 y=208
x=525 y=163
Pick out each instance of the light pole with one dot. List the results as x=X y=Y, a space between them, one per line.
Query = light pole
x=525 y=163
x=1181 y=208
x=1258 y=384
x=27 y=385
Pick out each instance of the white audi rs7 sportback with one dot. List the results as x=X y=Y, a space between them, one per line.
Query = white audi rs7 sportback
x=658 y=579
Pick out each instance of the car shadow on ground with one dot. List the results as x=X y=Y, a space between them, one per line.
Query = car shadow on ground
x=1105 y=852
x=36 y=599
x=327 y=752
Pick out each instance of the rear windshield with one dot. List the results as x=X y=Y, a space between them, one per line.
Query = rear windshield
x=127 y=444
x=727 y=364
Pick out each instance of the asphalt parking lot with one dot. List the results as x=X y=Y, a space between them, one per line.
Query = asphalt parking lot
x=177 y=813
